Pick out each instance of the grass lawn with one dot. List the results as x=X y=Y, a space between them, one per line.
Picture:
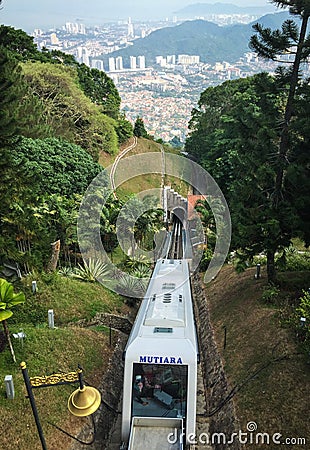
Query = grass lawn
x=147 y=181
x=48 y=351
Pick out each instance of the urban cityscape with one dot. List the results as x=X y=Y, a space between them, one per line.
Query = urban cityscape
x=162 y=93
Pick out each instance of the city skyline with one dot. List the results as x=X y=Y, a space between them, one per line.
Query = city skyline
x=32 y=14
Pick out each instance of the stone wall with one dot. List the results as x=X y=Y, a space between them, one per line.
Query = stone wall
x=114 y=321
x=216 y=384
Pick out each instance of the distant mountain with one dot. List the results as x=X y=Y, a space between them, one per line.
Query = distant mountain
x=205 y=9
x=199 y=37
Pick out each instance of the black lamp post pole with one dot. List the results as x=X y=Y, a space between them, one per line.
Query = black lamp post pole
x=33 y=404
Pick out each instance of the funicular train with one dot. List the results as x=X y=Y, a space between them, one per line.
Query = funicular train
x=161 y=356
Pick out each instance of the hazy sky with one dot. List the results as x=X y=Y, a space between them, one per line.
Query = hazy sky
x=30 y=14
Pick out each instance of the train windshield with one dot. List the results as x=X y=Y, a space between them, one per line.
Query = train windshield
x=159 y=390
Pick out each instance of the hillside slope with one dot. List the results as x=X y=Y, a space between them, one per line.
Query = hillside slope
x=199 y=37
x=276 y=394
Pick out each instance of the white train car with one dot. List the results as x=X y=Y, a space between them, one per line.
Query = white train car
x=161 y=355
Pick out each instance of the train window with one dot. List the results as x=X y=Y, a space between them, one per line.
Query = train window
x=159 y=390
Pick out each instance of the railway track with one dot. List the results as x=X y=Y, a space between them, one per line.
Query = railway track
x=117 y=160
x=176 y=241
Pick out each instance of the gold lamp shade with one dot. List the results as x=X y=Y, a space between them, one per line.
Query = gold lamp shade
x=84 y=402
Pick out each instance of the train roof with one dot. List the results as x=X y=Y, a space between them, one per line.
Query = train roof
x=166 y=313
x=167 y=293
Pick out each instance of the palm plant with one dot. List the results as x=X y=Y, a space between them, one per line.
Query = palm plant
x=141 y=271
x=7 y=301
x=132 y=288
x=92 y=271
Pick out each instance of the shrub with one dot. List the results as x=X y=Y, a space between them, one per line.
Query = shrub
x=92 y=271
x=205 y=260
x=303 y=311
x=131 y=288
x=270 y=293
x=293 y=261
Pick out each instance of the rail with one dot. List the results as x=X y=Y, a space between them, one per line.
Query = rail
x=176 y=247
x=117 y=160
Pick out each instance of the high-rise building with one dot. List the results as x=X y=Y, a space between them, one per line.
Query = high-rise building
x=119 y=63
x=79 y=53
x=111 y=64
x=85 y=57
x=171 y=59
x=218 y=67
x=37 y=32
x=97 y=64
x=188 y=59
x=133 y=62
x=75 y=28
x=54 y=39
x=141 y=62
x=81 y=28
x=130 y=31
x=161 y=61
x=71 y=28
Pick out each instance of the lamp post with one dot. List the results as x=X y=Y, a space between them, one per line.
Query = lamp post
x=83 y=402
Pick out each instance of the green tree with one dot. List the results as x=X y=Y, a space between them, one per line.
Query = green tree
x=57 y=172
x=254 y=143
x=297 y=179
x=95 y=84
x=18 y=42
x=139 y=219
x=68 y=111
x=207 y=141
x=100 y=89
x=10 y=93
x=19 y=114
x=124 y=129
x=8 y=300
x=20 y=111
x=272 y=45
x=58 y=167
x=139 y=129
x=41 y=204
x=236 y=141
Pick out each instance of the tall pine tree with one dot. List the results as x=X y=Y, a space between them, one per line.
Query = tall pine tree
x=272 y=45
x=290 y=40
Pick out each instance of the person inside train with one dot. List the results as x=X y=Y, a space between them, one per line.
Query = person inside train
x=138 y=390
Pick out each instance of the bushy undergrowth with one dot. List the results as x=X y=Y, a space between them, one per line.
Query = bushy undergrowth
x=293 y=262
x=270 y=293
x=290 y=260
x=300 y=321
